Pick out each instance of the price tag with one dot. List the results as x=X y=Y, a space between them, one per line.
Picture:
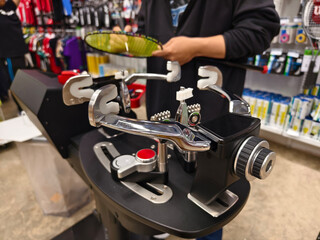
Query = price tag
x=276 y=51
x=293 y=54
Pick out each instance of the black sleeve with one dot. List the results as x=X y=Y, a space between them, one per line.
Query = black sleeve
x=10 y=5
x=141 y=18
x=255 y=23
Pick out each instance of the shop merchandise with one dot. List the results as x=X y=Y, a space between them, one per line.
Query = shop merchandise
x=54 y=52
x=26 y=12
x=298 y=116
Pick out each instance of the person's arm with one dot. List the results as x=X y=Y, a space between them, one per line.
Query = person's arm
x=255 y=23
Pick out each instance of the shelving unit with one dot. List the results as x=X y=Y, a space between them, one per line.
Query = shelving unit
x=301 y=143
x=285 y=85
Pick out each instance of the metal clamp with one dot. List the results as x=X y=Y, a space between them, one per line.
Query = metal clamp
x=75 y=90
x=173 y=75
x=213 y=82
x=128 y=164
x=102 y=112
x=155 y=193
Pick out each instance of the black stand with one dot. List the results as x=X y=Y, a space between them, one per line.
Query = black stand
x=123 y=211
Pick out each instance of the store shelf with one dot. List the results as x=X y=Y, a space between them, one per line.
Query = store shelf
x=297 y=142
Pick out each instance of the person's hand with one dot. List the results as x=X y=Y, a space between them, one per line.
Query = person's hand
x=127 y=28
x=118 y=43
x=180 y=49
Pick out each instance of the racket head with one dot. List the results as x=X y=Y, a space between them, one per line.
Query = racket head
x=311 y=19
x=123 y=43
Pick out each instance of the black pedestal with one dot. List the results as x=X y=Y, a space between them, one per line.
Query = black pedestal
x=121 y=209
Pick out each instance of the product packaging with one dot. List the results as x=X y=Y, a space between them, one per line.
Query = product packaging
x=293 y=64
x=277 y=61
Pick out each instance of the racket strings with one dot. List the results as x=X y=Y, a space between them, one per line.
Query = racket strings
x=311 y=20
x=126 y=44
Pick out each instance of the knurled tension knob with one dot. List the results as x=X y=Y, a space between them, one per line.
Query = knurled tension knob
x=254 y=159
x=263 y=165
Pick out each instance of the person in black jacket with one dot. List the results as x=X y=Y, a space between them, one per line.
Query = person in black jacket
x=193 y=32
x=12 y=45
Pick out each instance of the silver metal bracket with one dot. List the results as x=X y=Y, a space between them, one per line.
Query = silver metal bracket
x=213 y=83
x=75 y=90
x=128 y=164
x=102 y=111
x=160 y=193
x=173 y=75
x=219 y=206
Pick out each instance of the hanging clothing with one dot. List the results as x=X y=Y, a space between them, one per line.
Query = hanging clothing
x=25 y=11
x=67 y=7
x=11 y=41
x=248 y=26
x=57 y=10
x=44 y=5
x=72 y=53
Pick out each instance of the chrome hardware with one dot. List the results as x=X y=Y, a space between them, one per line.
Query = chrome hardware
x=174 y=74
x=103 y=112
x=254 y=159
x=124 y=91
x=127 y=164
x=213 y=82
x=194 y=108
x=163 y=192
x=220 y=205
x=162 y=116
x=182 y=111
x=74 y=90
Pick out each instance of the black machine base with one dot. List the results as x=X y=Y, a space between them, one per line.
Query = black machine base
x=179 y=216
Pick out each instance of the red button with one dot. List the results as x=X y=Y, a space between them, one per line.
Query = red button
x=146 y=154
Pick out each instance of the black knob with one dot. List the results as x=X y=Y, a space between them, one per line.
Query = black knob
x=244 y=155
x=263 y=163
x=254 y=159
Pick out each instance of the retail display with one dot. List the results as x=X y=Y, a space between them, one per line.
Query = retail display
x=297 y=116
